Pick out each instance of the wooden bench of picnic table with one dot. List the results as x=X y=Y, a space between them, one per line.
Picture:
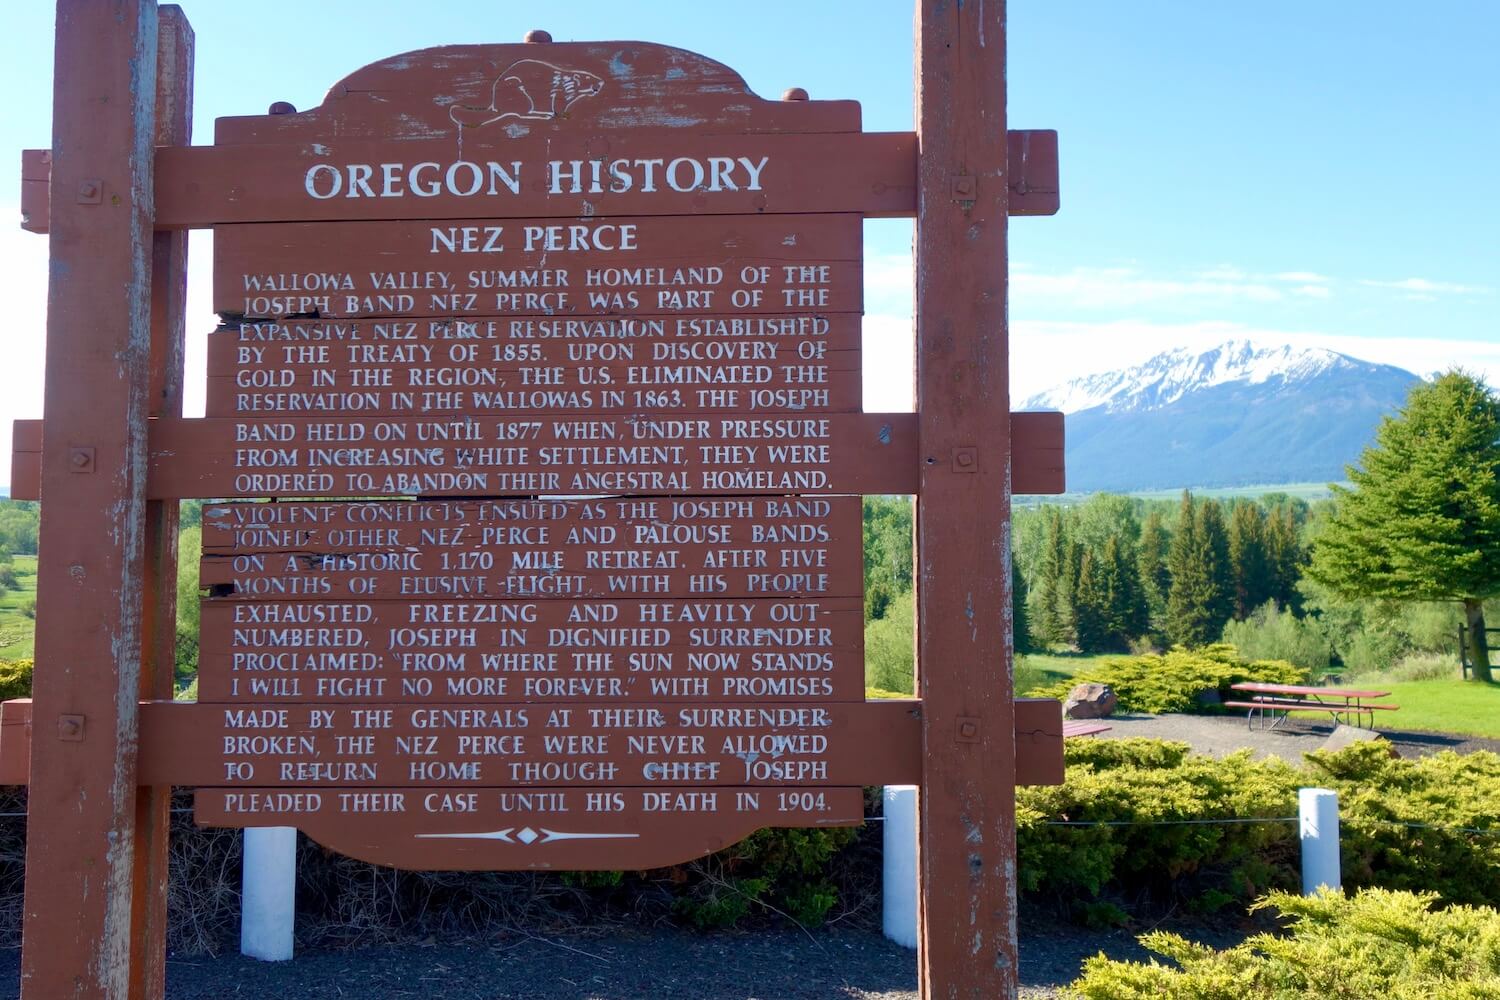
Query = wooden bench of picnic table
x=1275 y=701
x=1084 y=727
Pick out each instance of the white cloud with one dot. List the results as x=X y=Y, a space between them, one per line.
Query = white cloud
x=1426 y=287
x=1115 y=287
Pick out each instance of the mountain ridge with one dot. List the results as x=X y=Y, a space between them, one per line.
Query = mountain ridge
x=1233 y=415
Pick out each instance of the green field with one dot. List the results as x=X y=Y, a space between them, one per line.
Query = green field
x=1303 y=491
x=1443 y=706
x=1035 y=670
x=16 y=630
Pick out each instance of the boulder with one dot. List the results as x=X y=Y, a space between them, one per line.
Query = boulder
x=1343 y=736
x=1090 y=701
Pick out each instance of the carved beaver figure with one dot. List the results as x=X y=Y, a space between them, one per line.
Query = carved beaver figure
x=530 y=90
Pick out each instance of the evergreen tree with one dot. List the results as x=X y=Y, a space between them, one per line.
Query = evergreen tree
x=1199 y=602
x=1128 y=616
x=1248 y=568
x=1051 y=617
x=1091 y=605
x=1422 y=522
x=1019 y=617
x=1213 y=535
x=1284 y=558
x=1151 y=561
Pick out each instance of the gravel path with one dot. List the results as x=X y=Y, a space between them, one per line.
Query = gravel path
x=1221 y=734
x=624 y=965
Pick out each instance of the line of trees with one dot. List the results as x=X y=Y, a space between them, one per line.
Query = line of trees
x=1113 y=571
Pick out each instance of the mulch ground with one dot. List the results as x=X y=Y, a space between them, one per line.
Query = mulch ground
x=627 y=965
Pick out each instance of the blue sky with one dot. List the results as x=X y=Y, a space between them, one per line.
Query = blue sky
x=1320 y=173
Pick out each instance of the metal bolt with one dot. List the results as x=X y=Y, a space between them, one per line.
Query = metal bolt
x=963 y=186
x=70 y=728
x=536 y=36
x=81 y=459
x=795 y=94
x=90 y=192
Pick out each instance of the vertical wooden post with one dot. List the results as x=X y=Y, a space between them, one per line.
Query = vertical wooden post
x=174 y=127
x=966 y=804
x=81 y=834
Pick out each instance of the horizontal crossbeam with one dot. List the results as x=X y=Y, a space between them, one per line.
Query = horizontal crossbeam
x=176 y=742
x=873 y=173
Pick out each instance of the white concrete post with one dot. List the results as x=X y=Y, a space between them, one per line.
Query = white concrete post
x=268 y=893
x=1318 y=811
x=899 y=877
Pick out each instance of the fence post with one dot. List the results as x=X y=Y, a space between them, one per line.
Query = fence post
x=1318 y=811
x=898 y=894
x=268 y=893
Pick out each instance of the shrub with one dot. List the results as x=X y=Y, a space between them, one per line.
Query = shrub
x=1375 y=945
x=1174 y=682
x=1161 y=849
x=890 y=646
x=1272 y=633
x=15 y=678
x=783 y=871
x=1405 y=824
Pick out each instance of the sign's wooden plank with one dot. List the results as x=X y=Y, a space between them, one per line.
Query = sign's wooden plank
x=806 y=363
x=548 y=268
x=1033 y=182
x=666 y=649
x=575 y=744
x=543 y=89
x=731 y=547
x=966 y=854
x=867 y=742
x=1036 y=457
x=1033 y=172
x=497 y=178
x=570 y=829
x=81 y=860
x=699 y=454
x=897 y=757
x=36 y=182
x=174 y=127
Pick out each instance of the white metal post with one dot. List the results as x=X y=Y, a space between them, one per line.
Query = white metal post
x=899 y=875
x=1318 y=811
x=268 y=893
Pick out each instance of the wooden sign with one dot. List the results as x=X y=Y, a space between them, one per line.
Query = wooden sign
x=539 y=267
x=558 y=829
x=537 y=365
x=535 y=549
x=606 y=300
x=626 y=650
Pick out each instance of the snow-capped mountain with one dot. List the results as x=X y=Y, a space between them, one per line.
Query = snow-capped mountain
x=1236 y=414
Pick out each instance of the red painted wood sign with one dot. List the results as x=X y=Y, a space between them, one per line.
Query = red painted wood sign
x=536 y=439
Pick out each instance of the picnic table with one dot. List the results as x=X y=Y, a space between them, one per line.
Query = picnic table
x=1275 y=701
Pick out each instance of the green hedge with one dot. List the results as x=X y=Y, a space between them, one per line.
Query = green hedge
x=1175 y=681
x=1375 y=945
x=15 y=678
x=1432 y=824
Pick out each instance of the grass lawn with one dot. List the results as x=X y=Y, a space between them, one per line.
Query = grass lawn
x=16 y=630
x=1040 y=669
x=1446 y=706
